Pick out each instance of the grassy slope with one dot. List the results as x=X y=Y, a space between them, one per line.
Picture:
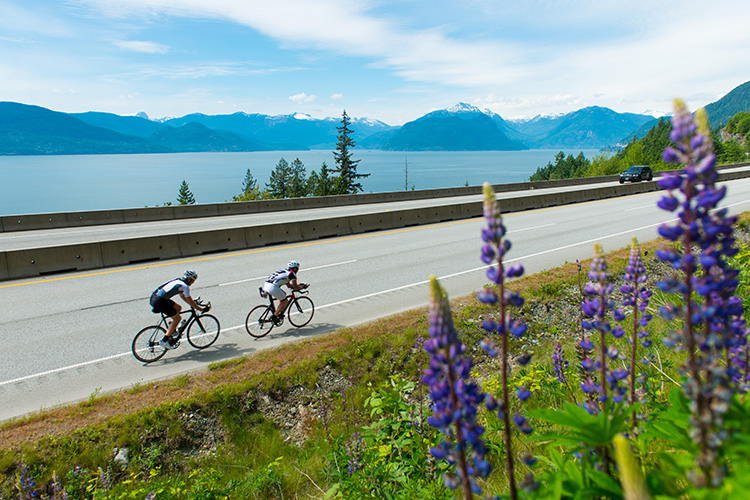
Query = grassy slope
x=366 y=354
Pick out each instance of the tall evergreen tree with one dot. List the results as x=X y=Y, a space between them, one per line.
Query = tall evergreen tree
x=185 y=196
x=321 y=183
x=278 y=182
x=298 y=187
x=250 y=184
x=250 y=189
x=346 y=167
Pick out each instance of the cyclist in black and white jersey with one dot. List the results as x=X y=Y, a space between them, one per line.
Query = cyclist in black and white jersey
x=161 y=302
x=281 y=278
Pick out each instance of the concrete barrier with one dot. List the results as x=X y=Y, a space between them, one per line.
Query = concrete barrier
x=34 y=221
x=275 y=205
x=41 y=261
x=4 y=275
x=57 y=220
x=238 y=208
x=94 y=218
x=371 y=222
x=220 y=240
x=147 y=214
x=311 y=202
x=194 y=211
x=472 y=209
x=124 y=252
x=324 y=228
x=272 y=234
x=443 y=213
x=412 y=217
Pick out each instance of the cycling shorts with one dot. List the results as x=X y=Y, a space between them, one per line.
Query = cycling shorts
x=275 y=291
x=162 y=305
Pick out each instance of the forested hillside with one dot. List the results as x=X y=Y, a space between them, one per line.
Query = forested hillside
x=648 y=150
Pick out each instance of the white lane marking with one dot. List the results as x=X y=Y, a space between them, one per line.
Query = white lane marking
x=639 y=208
x=532 y=228
x=240 y=327
x=305 y=269
x=57 y=370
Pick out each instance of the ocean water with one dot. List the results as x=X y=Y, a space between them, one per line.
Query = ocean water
x=42 y=184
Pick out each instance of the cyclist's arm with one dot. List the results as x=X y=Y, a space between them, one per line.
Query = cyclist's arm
x=295 y=286
x=191 y=302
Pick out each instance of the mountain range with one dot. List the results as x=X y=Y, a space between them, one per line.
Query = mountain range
x=33 y=130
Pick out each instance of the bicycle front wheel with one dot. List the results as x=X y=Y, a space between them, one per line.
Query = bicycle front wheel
x=259 y=321
x=203 y=331
x=301 y=311
x=146 y=346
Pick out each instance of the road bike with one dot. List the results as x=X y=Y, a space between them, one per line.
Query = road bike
x=202 y=331
x=300 y=310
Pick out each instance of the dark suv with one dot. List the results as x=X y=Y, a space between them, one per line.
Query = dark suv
x=637 y=173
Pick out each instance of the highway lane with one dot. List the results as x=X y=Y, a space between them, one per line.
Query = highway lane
x=68 y=336
x=13 y=240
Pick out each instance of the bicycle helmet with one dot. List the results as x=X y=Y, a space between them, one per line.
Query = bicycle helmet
x=293 y=263
x=190 y=274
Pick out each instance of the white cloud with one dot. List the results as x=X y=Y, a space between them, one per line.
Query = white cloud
x=336 y=97
x=141 y=46
x=302 y=98
x=536 y=56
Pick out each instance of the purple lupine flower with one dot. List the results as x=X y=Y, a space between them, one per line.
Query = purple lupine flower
x=636 y=296
x=455 y=398
x=596 y=307
x=494 y=236
x=710 y=325
x=26 y=483
x=523 y=393
x=559 y=363
x=58 y=493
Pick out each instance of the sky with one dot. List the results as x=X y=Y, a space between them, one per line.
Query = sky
x=392 y=61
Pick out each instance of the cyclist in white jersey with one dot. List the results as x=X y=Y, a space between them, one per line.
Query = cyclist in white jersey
x=161 y=302
x=281 y=278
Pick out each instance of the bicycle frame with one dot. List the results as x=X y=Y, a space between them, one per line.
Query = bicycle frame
x=291 y=296
x=180 y=328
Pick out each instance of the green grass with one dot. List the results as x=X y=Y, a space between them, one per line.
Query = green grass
x=253 y=458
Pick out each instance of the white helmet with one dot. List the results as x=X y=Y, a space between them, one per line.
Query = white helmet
x=292 y=263
x=190 y=274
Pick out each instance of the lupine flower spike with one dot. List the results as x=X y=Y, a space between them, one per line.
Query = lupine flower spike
x=636 y=296
x=709 y=327
x=494 y=249
x=455 y=399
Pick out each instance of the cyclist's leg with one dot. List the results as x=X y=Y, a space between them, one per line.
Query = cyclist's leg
x=169 y=308
x=282 y=307
x=276 y=293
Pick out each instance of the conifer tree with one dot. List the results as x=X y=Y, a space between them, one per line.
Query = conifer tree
x=346 y=167
x=250 y=184
x=185 y=196
x=321 y=183
x=298 y=187
x=250 y=189
x=278 y=182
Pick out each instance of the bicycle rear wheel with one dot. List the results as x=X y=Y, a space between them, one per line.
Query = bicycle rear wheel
x=301 y=311
x=146 y=346
x=203 y=331
x=259 y=322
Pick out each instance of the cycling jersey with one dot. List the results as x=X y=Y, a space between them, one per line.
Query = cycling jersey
x=281 y=277
x=172 y=288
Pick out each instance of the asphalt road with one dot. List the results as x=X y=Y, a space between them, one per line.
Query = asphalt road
x=68 y=336
x=18 y=240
